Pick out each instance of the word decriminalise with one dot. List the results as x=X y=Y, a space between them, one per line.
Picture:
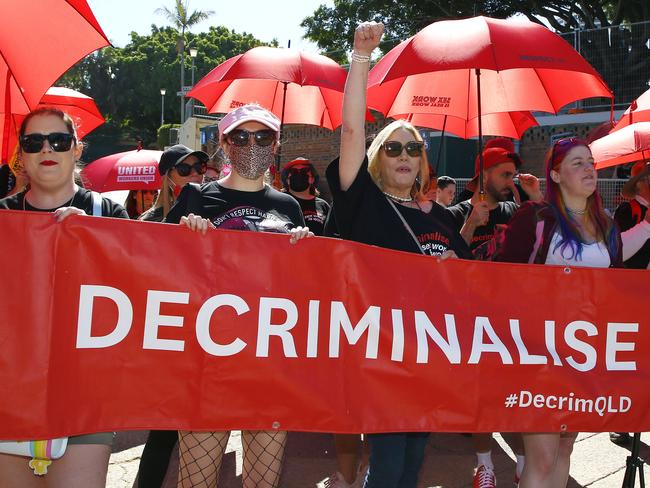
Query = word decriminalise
x=433 y=335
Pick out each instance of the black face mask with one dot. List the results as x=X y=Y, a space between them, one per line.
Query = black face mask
x=299 y=180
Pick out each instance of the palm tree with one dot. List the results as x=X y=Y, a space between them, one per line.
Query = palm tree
x=182 y=21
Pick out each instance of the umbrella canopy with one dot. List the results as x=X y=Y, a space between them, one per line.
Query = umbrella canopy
x=299 y=87
x=522 y=66
x=638 y=111
x=627 y=145
x=39 y=41
x=80 y=107
x=445 y=68
x=130 y=170
x=504 y=124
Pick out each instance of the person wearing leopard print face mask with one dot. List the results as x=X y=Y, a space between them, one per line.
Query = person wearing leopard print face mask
x=241 y=201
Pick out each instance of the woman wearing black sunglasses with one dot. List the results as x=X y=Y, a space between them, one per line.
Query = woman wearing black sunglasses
x=48 y=152
x=241 y=201
x=178 y=166
x=379 y=199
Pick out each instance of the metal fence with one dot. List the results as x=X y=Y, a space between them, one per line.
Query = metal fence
x=621 y=54
x=609 y=189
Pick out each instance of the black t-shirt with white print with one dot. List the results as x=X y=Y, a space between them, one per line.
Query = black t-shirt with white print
x=82 y=199
x=500 y=215
x=266 y=210
x=364 y=214
x=315 y=212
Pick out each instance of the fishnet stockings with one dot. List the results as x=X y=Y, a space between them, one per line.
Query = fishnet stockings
x=200 y=458
x=263 y=453
x=201 y=454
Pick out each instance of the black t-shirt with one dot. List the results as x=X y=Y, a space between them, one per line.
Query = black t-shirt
x=627 y=217
x=267 y=210
x=498 y=216
x=82 y=199
x=364 y=214
x=315 y=212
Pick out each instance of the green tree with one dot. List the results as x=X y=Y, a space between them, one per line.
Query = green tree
x=183 y=20
x=125 y=82
x=332 y=28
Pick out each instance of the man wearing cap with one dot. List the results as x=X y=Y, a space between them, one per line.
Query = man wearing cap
x=178 y=166
x=300 y=180
x=478 y=217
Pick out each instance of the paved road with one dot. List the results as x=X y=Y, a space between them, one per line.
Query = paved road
x=596 y=462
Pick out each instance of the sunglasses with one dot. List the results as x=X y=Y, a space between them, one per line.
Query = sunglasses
x=184 y=169
x=394 y=148
x=58 y=141
x=240 y=137
x=563 y=143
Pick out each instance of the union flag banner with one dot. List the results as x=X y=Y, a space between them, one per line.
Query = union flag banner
x=115 y=325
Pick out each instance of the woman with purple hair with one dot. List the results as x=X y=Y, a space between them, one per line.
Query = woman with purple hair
x=570 y=228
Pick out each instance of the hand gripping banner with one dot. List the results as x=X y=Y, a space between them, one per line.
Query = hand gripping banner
x=113 y=325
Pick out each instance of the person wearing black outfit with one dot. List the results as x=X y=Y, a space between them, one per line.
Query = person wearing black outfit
x=629 y=214
x=240 y=201
x=300 y=180
x=379 y=199
x=478 y=217
x=48 y=150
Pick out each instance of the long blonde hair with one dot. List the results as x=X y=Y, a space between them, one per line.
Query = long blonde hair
x=165 y=198
x=421 y=183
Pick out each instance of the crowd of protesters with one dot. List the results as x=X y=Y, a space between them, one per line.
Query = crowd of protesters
x=383 y=195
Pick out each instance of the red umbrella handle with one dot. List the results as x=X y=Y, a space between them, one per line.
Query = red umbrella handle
x=5 y=132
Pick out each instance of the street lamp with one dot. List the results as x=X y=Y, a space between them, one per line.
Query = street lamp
x=193 y=53
x=162 y=109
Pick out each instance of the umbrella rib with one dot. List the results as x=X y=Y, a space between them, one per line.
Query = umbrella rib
x=546 y=92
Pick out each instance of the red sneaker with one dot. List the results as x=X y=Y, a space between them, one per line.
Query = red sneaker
x=484 y=478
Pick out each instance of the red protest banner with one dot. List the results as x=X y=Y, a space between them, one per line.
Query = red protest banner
x=113 y=325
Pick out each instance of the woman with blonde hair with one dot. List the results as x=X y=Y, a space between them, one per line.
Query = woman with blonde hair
x=379 y=199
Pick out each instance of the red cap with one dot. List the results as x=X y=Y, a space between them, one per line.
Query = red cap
x=496 y=155
x=501 y=142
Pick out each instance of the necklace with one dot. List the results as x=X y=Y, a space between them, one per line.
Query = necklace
x=577 y=212
x=67 y=204
x=398 y=199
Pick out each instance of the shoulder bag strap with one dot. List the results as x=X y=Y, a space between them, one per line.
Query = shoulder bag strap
x=406 y=225
x=97 y=204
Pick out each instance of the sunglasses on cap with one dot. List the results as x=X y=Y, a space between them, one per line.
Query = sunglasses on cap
x=240 y=137
x=395 y=148
x=58 y=141
x=184 y=169
x=563 y=143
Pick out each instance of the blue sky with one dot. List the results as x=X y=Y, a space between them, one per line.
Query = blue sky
x=264 y=19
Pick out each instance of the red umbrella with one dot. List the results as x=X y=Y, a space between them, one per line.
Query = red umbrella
x=627 y=145
x=447 y=66
x=39 y=41
x=638 y=111
x=504 y=124
x=130 y=170
x=80 y=107
x=299 y=87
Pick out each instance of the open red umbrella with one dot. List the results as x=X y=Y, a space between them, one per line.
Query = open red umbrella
x=481 y=65
x=504 y=124
x=638 y=111
x=80 y=107
x=627 y=145
x=299 y=87
x=130 y=170
x=39 y=41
